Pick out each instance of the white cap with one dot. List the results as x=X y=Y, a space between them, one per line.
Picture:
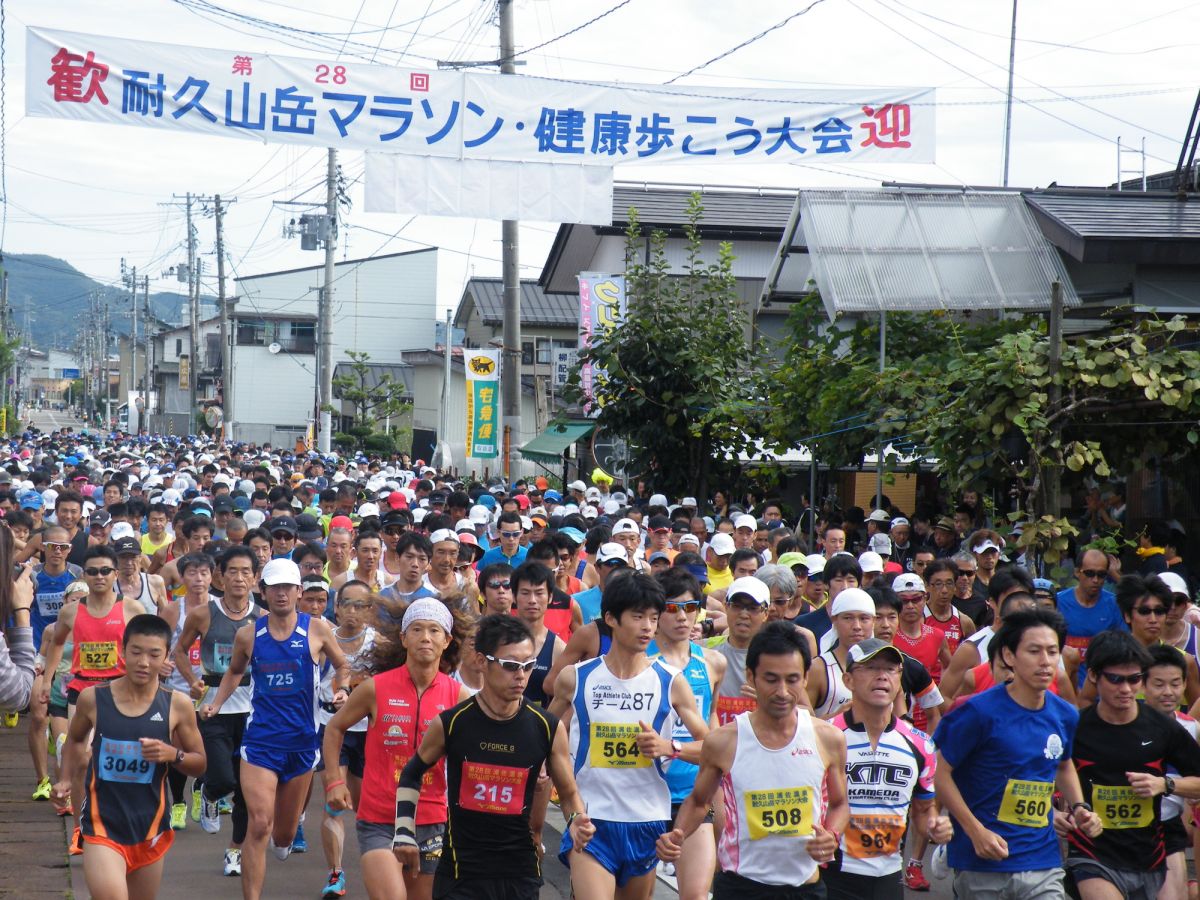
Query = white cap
x=626 y=526
x=879 y=515
x=1175 y=583
x=479 y=515
x=443 y=534
x=749 y=585
x=589 y=512
x=419 y=515
x=815 y=563
x=368 y=509
x=611 y=552
x=593 y=493
x=254 y=518
x=745 y=521
x=881 y=544
x=852 y=600
x=721 y=544
x=658 y=500
x=281 y=571
x=124 y=529
x=576 y=486
x=898 y=521
x=689 y=539
x=985 y=545
x=908 y=583
x=172 y=497
x=526 y=523
x=611 y=507
x=870 y=561
x=689 y=502
x=464 y=525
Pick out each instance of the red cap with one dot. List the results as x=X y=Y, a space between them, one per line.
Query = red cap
x=465 y=537
x=341 y=522
x=522 y=501
x=396 y=500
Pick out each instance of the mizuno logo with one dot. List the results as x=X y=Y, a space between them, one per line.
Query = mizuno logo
x=297 y=644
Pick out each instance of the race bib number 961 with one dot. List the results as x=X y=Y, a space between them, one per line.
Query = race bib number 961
x=782 y=812
x=1026 y=803
x=868 y=837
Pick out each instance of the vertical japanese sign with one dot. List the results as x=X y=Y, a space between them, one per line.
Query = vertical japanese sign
x=483 y=396
x=601 y=308
x=185 y=378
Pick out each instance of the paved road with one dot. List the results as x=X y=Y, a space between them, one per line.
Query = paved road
x=52 y=420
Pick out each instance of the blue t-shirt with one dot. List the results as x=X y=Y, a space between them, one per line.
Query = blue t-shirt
x=992 y=741
x=1085 y=622
x=817 y=621
x=496 y=555
x=589 y=603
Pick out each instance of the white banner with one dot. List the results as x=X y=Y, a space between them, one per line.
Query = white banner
x=464 y=115
x=488 y=189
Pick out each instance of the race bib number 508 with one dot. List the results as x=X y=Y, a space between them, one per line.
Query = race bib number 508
x=781 y=812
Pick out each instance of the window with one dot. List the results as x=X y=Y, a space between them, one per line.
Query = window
x=252 y=333
x=543 y=351
x=527 y=353
x=292 y=335
x=297 y=336
x=179 y=346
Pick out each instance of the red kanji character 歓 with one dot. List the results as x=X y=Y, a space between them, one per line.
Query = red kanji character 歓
x=243 y=65
x=887 y=126
x=71 y=71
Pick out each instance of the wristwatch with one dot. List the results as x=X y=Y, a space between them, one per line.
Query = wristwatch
x=1081 y=805
x=676 y=749
x=1168 y=785
x=179 y=754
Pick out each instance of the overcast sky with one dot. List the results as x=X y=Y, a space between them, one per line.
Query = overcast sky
x=1088 y=71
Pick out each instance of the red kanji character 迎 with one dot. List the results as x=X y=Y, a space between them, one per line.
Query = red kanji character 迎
x=71 y=71
x=887 y=126
x=243 y=65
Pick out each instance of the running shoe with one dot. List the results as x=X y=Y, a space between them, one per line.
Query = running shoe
x=12 y=719
x=179 y=816
x=281 y=853
x=336 y=886
x=914 y=878
x=299 y=844
x=63 y=812
x=42 y=791
x=75 y=848
x=233 y=862
x=225 y=805
x=938 y=866
x=210 y=815
x=197 y=802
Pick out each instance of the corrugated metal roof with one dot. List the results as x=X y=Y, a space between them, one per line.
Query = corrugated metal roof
x=1120 y=226
x=888 y=250
x=537 y=307
x=659 y=205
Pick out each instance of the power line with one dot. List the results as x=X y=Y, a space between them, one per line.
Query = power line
x=745 y=43
x=577 y=28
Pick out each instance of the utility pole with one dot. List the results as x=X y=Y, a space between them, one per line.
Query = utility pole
x=11 y=371
x=510 y=373
x=131 y=411
x=193 y=320
x=226 y=352
x=325 y=325
x=1012 y=62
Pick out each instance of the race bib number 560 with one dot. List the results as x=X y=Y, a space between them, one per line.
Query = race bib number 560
x=1026 y=803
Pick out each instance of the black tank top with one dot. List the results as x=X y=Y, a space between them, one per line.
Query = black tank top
x=491 y=771
x=125 y=799
x=535 y=691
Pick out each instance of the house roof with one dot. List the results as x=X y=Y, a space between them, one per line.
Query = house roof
x=1154 y=227
x=537 y=307
x=338 y=264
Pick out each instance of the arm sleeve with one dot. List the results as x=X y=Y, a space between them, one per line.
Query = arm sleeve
x=16 y=668
x=407 y=793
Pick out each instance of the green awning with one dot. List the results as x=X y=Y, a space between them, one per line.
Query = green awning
x=548 y=447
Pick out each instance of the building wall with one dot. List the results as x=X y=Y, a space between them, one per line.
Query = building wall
x=274 y=396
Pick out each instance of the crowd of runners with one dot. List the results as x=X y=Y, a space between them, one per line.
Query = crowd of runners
x=757 y=701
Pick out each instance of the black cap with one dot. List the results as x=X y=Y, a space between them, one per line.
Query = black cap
x=281 y=523
x=657 y=523
x=308 y=528
x=127 y=546
x=100 y=517
x=222 y=504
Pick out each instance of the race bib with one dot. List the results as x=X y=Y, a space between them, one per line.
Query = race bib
x=194 y=653
x=279 y=676
x=868 y=837
x=728 y=707
x=97 y=656
x=123 y=761
x=222 y=656
x=614 y=746
x=1119 y=807
x=1026 y=803
x=780 y=812
x=49 y=604
x=489 y=788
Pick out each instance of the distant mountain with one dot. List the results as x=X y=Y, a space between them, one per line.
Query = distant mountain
x=52 y=296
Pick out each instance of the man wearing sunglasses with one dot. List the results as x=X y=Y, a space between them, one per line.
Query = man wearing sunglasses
x=1087 y=607
x=1122 y=750
x=509 y=549
x=746 y=605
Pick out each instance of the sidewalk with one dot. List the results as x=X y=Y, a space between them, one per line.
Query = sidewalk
x=33 y=841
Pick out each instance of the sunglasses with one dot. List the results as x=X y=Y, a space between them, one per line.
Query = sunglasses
x=462 y=567
x=394 y=530
x=920 y=598
x=354 y=604
x=498 y=585
x=685 y=607
x=512 y=665
x=510 y=534
x=1150 y=611
x=742 y=606
x=93 y=571
x=282 y=536
x=1114 y=678
x=50 y=546
x=1093 y=573
x=966 y=573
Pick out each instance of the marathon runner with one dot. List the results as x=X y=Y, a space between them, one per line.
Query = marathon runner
x=148 y=591
x=747 y=602
x=494 y=745
x=1121 y=751
x=216 y=625
x=279 y=749
x=136 y=731
x=401 y=701
x=1001 y=755
x=618 y=709
x=853 y=614
x=940 y=612
x=782 y=774
x=889 y=776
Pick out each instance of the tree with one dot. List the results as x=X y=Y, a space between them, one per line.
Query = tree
x=375 y=398
x=677 y=359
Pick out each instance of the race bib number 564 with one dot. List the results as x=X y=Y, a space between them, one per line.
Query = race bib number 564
x=614 y=746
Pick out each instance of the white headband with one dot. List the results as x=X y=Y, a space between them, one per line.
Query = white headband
x=428 y=609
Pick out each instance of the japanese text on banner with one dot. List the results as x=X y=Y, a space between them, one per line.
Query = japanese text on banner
x=601 y=308
x=464 y=115
x=483 y=398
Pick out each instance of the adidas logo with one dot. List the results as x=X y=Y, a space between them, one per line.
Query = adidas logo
x=157 y=717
